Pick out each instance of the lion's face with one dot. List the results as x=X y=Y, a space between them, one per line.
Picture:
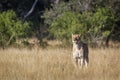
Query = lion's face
x=76 y=38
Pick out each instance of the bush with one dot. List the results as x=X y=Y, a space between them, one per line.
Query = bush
x=90 y=25
x=63 y=26
x=63 y=21
x=11 y=27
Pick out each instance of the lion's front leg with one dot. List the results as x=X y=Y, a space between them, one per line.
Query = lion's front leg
x=80 y=62
x=75 y=62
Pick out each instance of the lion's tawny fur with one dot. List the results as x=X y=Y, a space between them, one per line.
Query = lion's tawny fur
x=80 y=51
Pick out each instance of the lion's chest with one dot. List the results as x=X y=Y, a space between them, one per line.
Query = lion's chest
x=77 y=52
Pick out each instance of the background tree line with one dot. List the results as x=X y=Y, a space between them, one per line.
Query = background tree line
x=97 y=20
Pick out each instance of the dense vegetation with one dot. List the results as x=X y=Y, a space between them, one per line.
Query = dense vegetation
x=97 y=20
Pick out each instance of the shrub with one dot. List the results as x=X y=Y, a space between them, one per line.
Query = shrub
x=90 y=25
x=11 y=27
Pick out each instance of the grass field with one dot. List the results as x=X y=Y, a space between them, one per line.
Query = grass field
x=56 y=64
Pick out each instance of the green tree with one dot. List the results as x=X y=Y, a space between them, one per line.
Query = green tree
x=98 y=30
x=66 y=24
x=91 y=25
x=11 y=27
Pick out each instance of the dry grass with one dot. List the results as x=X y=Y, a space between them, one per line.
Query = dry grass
x=56 y=64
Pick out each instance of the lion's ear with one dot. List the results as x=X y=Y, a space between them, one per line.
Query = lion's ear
x=72 y=35
x=79 y=35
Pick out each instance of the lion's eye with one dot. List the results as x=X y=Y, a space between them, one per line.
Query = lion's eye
x=76 y=39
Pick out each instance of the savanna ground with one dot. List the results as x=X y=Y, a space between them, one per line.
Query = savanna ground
x=56 y=64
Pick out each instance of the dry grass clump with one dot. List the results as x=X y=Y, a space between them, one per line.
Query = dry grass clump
x=56 y=64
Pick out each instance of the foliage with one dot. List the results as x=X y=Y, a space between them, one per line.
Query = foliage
x=97 y=25
x=63 y=26
x=57 y=10
x=11 y=27
x=90 y=25
x=96 y=20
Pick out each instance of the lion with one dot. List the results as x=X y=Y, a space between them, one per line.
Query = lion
x=80 y=51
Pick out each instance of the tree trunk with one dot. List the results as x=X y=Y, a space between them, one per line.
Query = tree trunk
x=56 y=1
x=108 y=38
x=107 y=41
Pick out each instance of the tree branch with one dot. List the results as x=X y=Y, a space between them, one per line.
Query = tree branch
x=31 y=10
x=79 y=2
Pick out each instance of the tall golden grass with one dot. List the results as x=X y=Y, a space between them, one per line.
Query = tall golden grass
x=56 y=64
